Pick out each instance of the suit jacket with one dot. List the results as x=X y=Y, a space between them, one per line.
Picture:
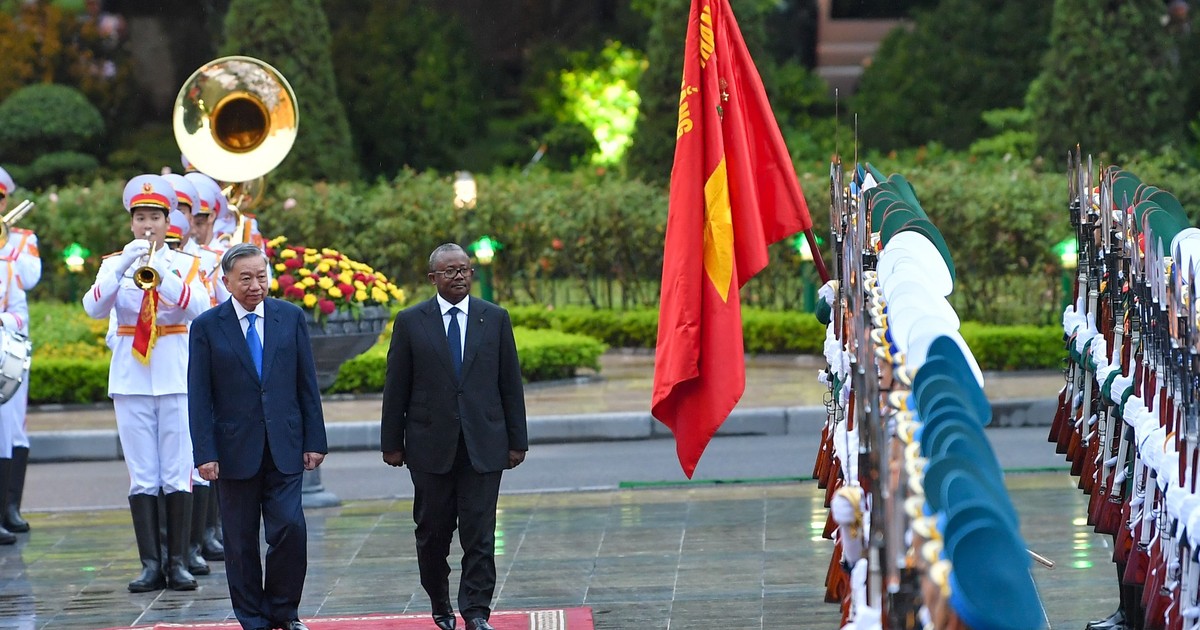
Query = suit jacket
x=425 y=408
x=234 y=414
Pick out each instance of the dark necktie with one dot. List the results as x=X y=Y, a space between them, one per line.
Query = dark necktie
x=454 y=339
x=253 y=341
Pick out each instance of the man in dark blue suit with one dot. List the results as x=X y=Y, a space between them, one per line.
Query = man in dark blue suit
x=257 y=425
x=454 y=412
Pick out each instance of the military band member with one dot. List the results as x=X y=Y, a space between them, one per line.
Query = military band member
x=144 y=285
x=203 y=545
x=20 y=251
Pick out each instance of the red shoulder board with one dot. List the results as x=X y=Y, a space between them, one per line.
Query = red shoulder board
x=20 y=230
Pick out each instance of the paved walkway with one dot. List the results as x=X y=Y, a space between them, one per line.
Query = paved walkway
x=728 y=555
x=699 y=556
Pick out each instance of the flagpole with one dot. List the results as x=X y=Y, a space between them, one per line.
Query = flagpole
x=816 y=252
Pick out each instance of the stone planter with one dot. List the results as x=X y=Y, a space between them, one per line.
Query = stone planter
x=337 y=339
x=341 y=337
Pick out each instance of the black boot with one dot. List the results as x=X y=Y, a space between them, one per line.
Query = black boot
x=214 y=551
x=144 y=508
x=179 y=520
x=1115 y=621
x=195 y=560
x=16 y=488
x=6 y=537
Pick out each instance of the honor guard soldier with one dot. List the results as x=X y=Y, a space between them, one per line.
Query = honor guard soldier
x=144 y=285
x=20 y=251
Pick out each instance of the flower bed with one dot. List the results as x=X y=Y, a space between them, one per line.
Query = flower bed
x=325 y=281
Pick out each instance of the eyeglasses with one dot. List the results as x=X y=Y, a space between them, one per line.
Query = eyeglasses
x=453 y=273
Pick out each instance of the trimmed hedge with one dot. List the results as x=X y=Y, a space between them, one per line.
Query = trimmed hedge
x=70 y=364
x=545 y=355
x=770 y=332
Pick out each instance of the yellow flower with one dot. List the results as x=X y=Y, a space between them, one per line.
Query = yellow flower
x=325 y=283
x=380 y=278
x=345 y=277
x=304 y=272
x=323 y=267
x=276 y=242
x=310 y=300
x=379 y=295
x=308 y=281
x=274 y=284
x=344 y=263
x=360 y=285
x=287 y=253
x=335 y=293
x=360 y=296
x=280 y=267
x=329 y=252
x=311 y=258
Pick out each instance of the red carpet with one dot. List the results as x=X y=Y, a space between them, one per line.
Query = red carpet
x=553 y=619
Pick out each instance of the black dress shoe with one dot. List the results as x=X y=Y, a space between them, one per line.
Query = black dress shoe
x=445 y=622
x=479 y=624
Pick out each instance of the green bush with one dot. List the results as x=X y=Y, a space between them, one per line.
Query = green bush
x=45 y=118
x=549 y=355
x=411 y=89
x=68 y=381
x=1073 y=103
x=545 y=355
x=59 y=167
x=293 y=36
x=1015 y=347
x=960 y=59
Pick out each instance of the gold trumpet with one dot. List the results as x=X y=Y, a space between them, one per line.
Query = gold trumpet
x=146 y=277
x=11 y=218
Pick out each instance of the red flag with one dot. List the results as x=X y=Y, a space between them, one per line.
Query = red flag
x=145 y=333
x=733 y=192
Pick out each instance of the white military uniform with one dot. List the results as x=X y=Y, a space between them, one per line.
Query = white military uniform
x=150 y=399
x=14 y=316
x=24 y=265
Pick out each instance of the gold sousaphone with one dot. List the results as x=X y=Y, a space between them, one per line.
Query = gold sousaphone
x=235 y=119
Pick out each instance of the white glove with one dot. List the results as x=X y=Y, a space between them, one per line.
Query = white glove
x=160 y=263
x=133 y=250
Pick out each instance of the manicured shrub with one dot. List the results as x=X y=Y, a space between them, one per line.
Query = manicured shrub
x=1073 y=103
x=961 y=58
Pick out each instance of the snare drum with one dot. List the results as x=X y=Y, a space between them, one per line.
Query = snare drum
x=16 y=352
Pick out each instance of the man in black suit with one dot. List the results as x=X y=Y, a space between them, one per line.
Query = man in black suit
x=454 y=411
x=257 y=425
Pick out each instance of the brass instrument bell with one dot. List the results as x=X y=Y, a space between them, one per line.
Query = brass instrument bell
x=147 y=277
x=11 y=217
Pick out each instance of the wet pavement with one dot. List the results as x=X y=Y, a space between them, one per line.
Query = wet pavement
x=661 y=555
x=710 y=556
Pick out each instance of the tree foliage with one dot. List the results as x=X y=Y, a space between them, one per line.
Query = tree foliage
x=293 y=36
x=412 y=92
x=653 y=148
x=40 y=43
x=1109 y=80
x=960 y=59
